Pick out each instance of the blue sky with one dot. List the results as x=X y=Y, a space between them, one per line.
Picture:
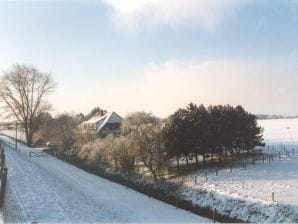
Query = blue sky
x=158 y=55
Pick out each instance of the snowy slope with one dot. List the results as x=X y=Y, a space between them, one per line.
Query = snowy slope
x=50 y=190
x=251 y=188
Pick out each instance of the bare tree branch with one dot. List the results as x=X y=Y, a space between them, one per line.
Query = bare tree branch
x=22 y=92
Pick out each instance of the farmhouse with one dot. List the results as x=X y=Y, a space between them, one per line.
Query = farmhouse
x=103 y=124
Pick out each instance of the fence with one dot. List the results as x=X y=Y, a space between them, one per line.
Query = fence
x=241 y=177
x=3 y=175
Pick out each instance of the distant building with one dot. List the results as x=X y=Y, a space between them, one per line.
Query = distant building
x=103 y=124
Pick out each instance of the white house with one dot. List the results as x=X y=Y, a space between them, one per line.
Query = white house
x=103 y=124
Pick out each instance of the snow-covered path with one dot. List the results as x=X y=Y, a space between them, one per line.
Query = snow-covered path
x=50 y=190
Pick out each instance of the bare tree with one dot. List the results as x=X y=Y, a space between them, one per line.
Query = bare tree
x=149 y=149
x=22 y=92
x=143 y=130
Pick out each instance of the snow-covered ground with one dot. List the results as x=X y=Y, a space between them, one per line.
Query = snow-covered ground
x=280 y=130
x=45 y=189
x=49 y=190
x=255 y=184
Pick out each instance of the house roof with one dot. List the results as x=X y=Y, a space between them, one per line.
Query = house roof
x=101 y=121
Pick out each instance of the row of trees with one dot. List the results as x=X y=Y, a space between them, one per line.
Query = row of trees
x=217 y=130
x=149 y=142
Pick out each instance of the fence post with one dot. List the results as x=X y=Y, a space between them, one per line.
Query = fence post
x=273 y=199
x=216 y=171
x=3 y=184
x=269 y=158
x=2 y=163
x=196 y=181
x=214 y=215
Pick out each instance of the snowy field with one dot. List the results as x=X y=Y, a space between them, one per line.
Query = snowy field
x=280 y=131
x=256 y=183
x=47 y=190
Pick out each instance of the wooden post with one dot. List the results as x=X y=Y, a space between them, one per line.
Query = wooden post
x=273 y=199
x=269 y=158
x=206 y=177
x=263 y=158
x=2 y=164
x=3 y=184
x=196 y=181
x=16 y=144
x=214 y=215
x=216 y=171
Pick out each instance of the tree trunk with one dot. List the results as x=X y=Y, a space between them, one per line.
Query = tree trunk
x=177 y=160
x=197 y=160
x=29 y=140
x=187 y=164
x=116 y=165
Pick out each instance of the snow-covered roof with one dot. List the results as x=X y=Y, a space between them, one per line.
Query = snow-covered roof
x=110 y=118
x=101 y=121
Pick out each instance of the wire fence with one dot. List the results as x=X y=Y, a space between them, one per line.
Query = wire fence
x=233 y=175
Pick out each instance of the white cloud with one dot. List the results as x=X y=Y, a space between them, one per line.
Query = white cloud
x=207 y=13
x=163 y=88
x=258 y=87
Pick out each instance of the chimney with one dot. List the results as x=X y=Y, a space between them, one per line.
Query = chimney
x=102 y=112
